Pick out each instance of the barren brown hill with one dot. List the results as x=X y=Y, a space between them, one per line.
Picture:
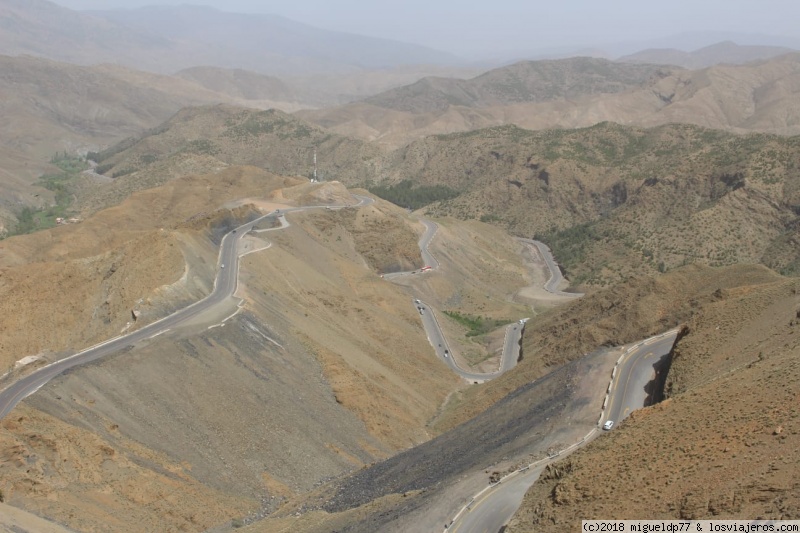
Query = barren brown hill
x=727 y=52
x=161 y=425
x=619 y=201
x=232 y=135
x=202 y=425
x=51 y=107
x=627 y=312
x=616 y=201
x=313 y=90
x=504 y=420
x=723 y=446
x=528 y=81
x=761 y=96
x=81 y=281
x=343 y=88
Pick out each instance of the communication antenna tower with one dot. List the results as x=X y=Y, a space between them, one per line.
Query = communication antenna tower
x=315 y=165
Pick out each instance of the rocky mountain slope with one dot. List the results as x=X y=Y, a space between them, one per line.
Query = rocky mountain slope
x=131 y=441
x=83 y=280
x=305 y=345
x=237 y=136
x=579 y=92
x=240 y=83
x=201 y=425
x=528 y=81
x=516 y=417
x=51 y=107
x=617 y=201
x=723 y=446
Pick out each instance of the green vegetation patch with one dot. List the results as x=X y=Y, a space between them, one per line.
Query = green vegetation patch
x=570 y=245
x=99 y=157
x=32 y=219
x=477 y=325
x=266 y=123
x=201 y=146
x=405 y=194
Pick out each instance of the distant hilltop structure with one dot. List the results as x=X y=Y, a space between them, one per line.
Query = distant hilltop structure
x=314 y=177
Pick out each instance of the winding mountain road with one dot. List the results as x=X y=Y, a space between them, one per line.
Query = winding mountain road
x=488 y=510
x=555 y=272
x=224 y=287
x=492 y=508
x=424 y=248
x=433 y=330
x=509 y=357
x=511 y=346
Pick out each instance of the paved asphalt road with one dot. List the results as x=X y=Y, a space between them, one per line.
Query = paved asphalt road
x=430 y=230
x=427 y=258
x=443 y=351
x=224 y=287
x=555 y=272
x=492 y=509
x=633 y=374
x=434 y=331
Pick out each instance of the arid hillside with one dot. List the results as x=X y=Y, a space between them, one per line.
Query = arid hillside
x=174 y=433
x=81 y=282
x=318 y=336
x=637 y=309
x=761 y=96
x=344 y=88
x=722 y=446
x=224 y=134
x=517 y=416
x=240 y=83
x=52 y=108
x=528 y=81
x=616 y=201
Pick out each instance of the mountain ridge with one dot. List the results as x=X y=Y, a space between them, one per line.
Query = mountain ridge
x=761 y=96
x=724 y=52
x=171 y=38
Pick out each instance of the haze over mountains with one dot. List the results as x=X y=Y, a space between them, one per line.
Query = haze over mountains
x=727 y=52
x=51 y=107
x=168 y=39
x=578 y=92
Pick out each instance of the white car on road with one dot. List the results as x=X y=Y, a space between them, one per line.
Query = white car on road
x=608 y=425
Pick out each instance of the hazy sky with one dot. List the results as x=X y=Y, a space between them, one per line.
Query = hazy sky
x=494 y=26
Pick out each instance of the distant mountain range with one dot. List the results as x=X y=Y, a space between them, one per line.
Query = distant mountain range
x=168 y=39
x=726 y=52
x=569 y=93
x=527 y=81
